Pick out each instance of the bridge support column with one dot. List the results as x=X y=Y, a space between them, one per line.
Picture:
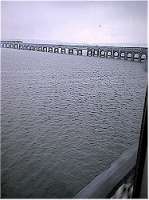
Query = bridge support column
x=139 y=57
x=132 y=56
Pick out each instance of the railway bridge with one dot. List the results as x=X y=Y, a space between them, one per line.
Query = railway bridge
x=126 y=53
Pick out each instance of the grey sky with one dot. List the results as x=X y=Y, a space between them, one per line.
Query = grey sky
x=85 y=22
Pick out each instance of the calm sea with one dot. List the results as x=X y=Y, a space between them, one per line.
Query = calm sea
x=65 y=119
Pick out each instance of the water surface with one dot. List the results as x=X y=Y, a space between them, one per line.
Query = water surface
x=65 y=119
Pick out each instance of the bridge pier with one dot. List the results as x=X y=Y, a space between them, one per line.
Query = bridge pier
x=132 y=56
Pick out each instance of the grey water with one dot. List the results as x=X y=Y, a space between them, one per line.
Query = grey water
x=65 y=119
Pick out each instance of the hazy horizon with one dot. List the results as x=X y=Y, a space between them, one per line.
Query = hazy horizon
x=108 y=23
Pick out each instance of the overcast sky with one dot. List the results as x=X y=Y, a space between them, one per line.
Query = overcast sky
x=81 y=22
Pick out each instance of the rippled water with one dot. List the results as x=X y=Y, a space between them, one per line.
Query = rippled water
x=65 y=119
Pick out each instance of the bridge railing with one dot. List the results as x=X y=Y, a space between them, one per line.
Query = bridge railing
x=126 y=53
x=107 y=183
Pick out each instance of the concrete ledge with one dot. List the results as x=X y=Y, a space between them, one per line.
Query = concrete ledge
x=104 y=183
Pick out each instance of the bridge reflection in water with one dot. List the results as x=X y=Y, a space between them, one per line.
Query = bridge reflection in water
x=127 y=53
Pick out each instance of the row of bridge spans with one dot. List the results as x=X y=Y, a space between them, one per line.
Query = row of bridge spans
x=127 y=53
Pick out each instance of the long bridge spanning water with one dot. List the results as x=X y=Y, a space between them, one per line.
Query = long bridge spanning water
x=127 y=53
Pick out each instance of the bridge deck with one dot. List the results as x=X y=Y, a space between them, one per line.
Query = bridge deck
x=128 y=53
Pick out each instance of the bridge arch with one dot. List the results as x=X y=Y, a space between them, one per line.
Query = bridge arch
x=39 y=48
x=116 y=54
x=24 y=47
x=129 y=55
x=56 y=50
x=109 y=53
x=50 y=49
x=122 y=54
x=11 y=45
x=84 y=52
x=95 y=52
x=8 y=45
x=75 y=51
x=70 y=51
x=28 y=47
x=136 y=55
x=32 y=48
x=63 y=50
x=89 y=52
x=143 y=57
x=36 y=48
x=102 y=53
x=20 y=46
x=16 y=46
x=79 y=52
x=4 y=45
x=44 y=48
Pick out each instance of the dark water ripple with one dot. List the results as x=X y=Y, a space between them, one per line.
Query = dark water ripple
x=65 y=119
